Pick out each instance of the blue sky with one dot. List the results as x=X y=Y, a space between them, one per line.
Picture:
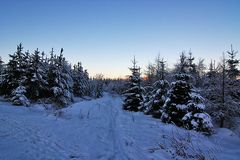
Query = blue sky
x=105 y=34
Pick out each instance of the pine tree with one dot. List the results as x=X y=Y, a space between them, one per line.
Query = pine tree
x=200 y=73
x=157 y=99
x=182 y=66
x=1 y=70
x=222 y=95
x=150 y=74
x=60 y=80
x=97 y=84
x=81 y=81
x=18 y=96
x=37 y=77
x=232 y=63
x=191 y=65
x=16 y=71
x=134 y=97
x=153 y=105
x=184 y=106
x=1 y=64
x=1 y=75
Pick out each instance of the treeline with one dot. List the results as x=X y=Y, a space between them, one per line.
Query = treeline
x=188 y=95
x=29 y=77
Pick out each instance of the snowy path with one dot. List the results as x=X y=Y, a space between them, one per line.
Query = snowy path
x=98 y=129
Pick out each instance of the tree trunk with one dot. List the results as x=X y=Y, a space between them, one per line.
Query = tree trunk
x=222 y=122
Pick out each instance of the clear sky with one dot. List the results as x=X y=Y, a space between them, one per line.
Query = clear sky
x=105 y=34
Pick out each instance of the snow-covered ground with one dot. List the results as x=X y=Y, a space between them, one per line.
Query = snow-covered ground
x=100 y=129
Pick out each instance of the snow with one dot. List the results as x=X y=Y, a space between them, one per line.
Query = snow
x=101 y=129
x=181 y=106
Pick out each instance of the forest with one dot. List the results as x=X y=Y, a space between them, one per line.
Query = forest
x=192 y=95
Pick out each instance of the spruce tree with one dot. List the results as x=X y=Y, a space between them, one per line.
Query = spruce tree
x=60 y=81
x=184 y=106
x=232 y=71
x=80 y=81
x=18 y=96
x=16 y=71
x=134 y=97
x=153 y=105
x=1 y=70
x=37 y=77
x=222 y=95
x=1 y=76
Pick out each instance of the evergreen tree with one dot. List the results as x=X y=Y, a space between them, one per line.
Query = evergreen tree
x=1 y=70
x=153 y=105
x=97 y=85
x=18 y=96
x=60 y=80
x=1 y=64
x=16 y=71
x=182 y=66
x=184 y=106
x=191 y=65
x=157 y=99
x=81 y=84
x=37 y=77
x=150 y=74
x=200 y=73
x=222 y=94
x=232 y=63
x=134 y=97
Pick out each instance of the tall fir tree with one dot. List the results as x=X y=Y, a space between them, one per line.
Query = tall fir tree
x=37 y=77
x=16 y=71
x=134 y=95
x=153 y=105
x=81 y=84
x=60 y=81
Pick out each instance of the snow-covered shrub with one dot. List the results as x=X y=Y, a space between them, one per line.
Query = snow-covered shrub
x=18 y=97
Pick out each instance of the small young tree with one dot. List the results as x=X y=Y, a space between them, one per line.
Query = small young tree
x=232 y=63
x=134 y=97
x=18 y=96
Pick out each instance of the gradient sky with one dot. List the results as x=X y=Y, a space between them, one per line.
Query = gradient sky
x=105 y=34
